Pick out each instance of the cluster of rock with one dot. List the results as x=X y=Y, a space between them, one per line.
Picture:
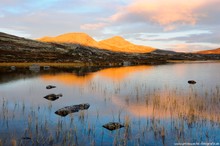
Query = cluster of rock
x=192 y=82
x=53 y=97
x=72 y=109
x=76 y=108
x=68 y=109
x=113 y=126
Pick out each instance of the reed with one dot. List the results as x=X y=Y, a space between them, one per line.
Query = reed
x=159 y=113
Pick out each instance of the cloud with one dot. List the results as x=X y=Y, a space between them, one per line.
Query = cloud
x=209 y=35
x=2 y=15
x=93 y=26
x=169 y=14
x=213 y=37
x=15 y=32
x=169 y=36
x=156 y=23
x=194 y=47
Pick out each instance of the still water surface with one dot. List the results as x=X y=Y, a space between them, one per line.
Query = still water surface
x=156 y=103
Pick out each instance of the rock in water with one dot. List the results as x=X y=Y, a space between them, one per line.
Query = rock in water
x=13 y=68
x=34 y=67
x=192 y=82
x=72 y=109
x=112 y=126
x=50 y=87
x=26 y=138
x=53 y=97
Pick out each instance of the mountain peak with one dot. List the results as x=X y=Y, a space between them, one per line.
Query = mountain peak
x=119 y=44
x=116 y=40
x=116 y=43
x=75 y=38
x=74 y=34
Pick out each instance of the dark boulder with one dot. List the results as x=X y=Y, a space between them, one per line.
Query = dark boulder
x=13 y=67
x=53 y=97
x=50 y=87
x=112 y=126
x=26 y=138
x=192 y=82
x=72 y=109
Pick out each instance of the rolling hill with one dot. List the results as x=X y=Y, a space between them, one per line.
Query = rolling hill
x=214 y=51
x=18 y=49
x=81 y=49
x=116 y=44
x=74 y=38
x=119 y=44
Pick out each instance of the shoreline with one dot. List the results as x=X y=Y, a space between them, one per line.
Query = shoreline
x=193 y=61
x=74 y=64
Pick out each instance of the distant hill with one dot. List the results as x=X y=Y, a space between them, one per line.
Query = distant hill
x=81 y=49
x=18 y=49
x=75 y=38
x=119 y=44
x=116 y=44
x=214 y=51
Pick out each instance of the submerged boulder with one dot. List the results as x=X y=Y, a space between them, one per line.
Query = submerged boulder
x=192 y=82
x=13 y=67
x=50 y=86
x=46 y=67
x=72 y=109
x=26 y=138
x=112 y=126
x=34 y=68
x=53 y=97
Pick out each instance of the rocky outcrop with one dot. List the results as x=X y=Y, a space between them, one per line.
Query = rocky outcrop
x=72 y=109
x=112 y=126
x=50 y=86
x=192 y=82
x=53 y=97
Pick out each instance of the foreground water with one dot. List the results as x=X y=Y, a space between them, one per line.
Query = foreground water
x=155 y=104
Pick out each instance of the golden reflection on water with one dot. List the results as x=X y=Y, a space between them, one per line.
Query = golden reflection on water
x=162 y=103
x=114 y=74
x=146 y=98
x=167 y=104
x=118 y=74
x=68 y=79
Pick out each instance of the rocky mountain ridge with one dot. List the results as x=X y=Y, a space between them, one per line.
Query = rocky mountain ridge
x=116 y=44
x=17 y=49
x=214 y=51
x=74 y=38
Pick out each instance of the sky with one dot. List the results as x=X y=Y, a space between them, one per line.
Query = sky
x=178 y=25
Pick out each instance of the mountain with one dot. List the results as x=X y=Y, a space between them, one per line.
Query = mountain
x=18 y=49
x=75 y=38
x=214 y=51
x=119 y=44
x=81 y=51
x=116 y=44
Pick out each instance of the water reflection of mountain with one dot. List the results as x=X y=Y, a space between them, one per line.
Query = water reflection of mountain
x=66 y=75
x=114 y=74
x=120 y=73
x=8 y=75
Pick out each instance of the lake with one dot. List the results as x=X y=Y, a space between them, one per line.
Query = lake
x=155 y=104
